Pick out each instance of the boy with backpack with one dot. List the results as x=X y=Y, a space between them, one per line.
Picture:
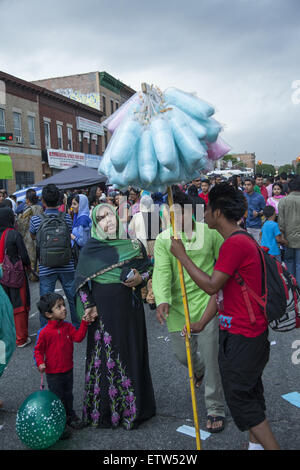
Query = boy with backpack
x=52 y=231
x=243 y=341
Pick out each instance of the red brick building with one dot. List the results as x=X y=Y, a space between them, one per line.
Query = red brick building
x=50 y=132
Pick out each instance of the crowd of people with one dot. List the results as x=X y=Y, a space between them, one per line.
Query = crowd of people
x=112 y=251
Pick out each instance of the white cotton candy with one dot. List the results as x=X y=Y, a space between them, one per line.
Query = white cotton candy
x=163 y=143
x=188 y=103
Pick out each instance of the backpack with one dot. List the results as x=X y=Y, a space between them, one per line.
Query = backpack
x=280 y=300
x=53 y=241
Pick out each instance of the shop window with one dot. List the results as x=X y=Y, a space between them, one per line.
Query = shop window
x=24 y=179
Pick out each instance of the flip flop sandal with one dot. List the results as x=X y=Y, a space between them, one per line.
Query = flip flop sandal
x=213 y=419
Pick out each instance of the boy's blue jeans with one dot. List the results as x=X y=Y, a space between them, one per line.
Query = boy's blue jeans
x=47 y=284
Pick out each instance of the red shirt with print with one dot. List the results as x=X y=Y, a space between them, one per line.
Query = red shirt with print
x=238 y=253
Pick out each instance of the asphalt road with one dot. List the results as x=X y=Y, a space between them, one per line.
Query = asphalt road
x=171 y=386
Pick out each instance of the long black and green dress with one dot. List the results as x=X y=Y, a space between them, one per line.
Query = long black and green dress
x=118 y=385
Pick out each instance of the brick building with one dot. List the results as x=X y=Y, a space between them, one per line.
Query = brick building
x=51 y=132
x=19 y=114
x=99 y=90
x=247 y=158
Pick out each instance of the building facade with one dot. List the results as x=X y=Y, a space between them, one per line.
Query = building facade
x=99 y=90
x=19 y=114
x=50 y=131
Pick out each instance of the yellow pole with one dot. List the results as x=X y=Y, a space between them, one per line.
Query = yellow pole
x=188 y=327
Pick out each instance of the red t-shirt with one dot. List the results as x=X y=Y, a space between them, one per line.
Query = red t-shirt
x=205 y=197
x=238 y=253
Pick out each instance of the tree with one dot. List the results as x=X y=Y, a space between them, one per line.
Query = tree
x=265 y=169
x=286 y=169
x=298 y=169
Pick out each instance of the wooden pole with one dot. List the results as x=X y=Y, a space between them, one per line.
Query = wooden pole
x=188 y=327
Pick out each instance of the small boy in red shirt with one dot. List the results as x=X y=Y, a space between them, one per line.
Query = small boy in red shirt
x=53 y=352
x=205 y=184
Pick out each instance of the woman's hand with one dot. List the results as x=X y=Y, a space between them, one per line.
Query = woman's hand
x=134 y=281
x=90 y=314
x=177 y=248
x=73 y=236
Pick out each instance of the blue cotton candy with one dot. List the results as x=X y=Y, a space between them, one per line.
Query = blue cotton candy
x=189 y=145
x=213 y=128
x=188 y=103
x=163 y=143
x=124 y=143
x=198 y=129
x=131 y=172
x=147 y=160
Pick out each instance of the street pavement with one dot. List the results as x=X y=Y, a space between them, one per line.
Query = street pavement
x=173 y=399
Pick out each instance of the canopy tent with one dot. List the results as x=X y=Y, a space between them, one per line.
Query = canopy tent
x=21 y=194
x=6 y=168
x=77 y=176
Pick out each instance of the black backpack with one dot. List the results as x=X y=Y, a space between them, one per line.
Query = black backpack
x=280 y=300
x=53 y=241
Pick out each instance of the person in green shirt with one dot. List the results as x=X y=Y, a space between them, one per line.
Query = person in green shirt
x=202 y=245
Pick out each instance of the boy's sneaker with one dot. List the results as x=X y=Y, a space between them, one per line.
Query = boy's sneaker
x=66 y=434
x=28 y=341
x=75 y=423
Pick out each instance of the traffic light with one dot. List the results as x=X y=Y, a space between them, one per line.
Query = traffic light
x=259 y=162
x=298 y=159
x=6 y=137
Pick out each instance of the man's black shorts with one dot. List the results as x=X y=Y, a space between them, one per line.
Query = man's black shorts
x=242 y=361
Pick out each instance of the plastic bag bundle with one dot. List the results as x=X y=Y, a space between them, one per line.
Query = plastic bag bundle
x=161 y=139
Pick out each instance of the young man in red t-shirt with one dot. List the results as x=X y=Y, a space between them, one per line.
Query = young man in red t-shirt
x=243 y=344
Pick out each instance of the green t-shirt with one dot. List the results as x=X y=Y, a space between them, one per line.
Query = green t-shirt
x=203 y=249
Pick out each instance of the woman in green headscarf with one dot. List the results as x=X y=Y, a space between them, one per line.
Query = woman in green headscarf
x=118 y=385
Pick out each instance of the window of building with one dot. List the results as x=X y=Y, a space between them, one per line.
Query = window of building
x=111 y=107
x=104 y=104
x=97 y=145
x=59 y=136
x=31 y=129
x=117 y=105
x=70 y=143
x=80 y=140
x=17 y=125
x=2 y=121
x=105 y=139
x=24 y=179
x=47 y=135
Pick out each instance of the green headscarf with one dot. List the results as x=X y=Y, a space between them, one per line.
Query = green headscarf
x=103 y=258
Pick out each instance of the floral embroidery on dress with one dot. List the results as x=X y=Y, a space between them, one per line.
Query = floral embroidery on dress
x=121 y=393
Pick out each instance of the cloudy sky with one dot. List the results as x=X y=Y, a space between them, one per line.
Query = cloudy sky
x=240 y=55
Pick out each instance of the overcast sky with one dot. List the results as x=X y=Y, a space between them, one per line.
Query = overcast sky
x=242 y=56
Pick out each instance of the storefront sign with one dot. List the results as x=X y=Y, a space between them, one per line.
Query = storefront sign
x=62 y=160
x=92 y=161
x=87 y=125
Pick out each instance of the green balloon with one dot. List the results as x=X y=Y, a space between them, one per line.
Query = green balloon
x=41 y=420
